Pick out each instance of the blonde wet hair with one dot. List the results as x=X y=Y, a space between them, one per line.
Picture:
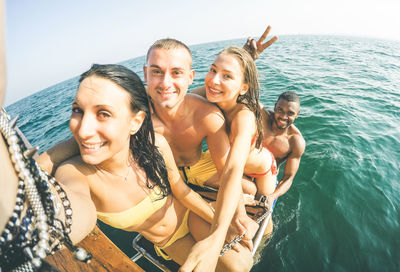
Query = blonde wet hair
x=250 y=77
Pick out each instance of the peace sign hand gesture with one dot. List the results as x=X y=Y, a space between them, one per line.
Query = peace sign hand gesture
x=256 y=48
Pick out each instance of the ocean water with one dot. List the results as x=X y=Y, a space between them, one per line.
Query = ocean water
x=342 y=212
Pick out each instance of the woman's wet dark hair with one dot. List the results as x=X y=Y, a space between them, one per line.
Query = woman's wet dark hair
x=142 y=143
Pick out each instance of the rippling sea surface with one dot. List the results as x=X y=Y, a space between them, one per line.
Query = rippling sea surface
x=342 y=212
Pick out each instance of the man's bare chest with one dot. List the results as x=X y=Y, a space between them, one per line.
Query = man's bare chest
x=183 y=137
x=278 y=145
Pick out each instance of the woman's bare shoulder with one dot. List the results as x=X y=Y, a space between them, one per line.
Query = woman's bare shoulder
x=75 y=168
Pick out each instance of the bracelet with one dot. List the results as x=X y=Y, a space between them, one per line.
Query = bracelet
x=27 y=240
x=65 y=203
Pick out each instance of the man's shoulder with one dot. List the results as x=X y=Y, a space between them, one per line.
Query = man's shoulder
x=195 y=99
x=267 y=114
x=160 y=140
x=294 y=131
x=297 y=141
x=266 y=110
x=206 y=117
x=202 y=109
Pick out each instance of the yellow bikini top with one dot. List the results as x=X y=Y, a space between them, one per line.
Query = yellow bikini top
x=137 y=214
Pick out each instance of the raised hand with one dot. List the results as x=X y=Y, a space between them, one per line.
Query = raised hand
x=255 y=48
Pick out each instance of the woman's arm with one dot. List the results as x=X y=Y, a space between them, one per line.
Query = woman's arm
x=8 y=178
x=72 y=177
x=83 y=219
x=52 y=158
x=2 y=54
x=8 y=184
x=204 y=255
x=71 y=198
x=230 y=190
x=189 y=198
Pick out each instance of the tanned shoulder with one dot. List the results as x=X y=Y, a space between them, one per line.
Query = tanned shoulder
x=267 y=113
x=77 y=166
x=75 y=174
x=160 y=141
x=294 y=131
x=244 y=120
x=207 y=114
x=297 y=142
x=197 y=101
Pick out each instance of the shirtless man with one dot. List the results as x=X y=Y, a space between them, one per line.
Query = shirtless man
x=185 y=120
x=284 y=139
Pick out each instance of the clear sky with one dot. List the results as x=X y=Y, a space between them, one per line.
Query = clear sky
x=49 y=41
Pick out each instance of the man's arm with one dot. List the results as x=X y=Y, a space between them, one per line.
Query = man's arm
x=255 y=48
x=199 y=91
x=291 y=167
x=189 y=198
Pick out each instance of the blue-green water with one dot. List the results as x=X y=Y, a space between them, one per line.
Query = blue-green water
x=343 y=210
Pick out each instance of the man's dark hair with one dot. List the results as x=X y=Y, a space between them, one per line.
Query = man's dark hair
x=290 y=96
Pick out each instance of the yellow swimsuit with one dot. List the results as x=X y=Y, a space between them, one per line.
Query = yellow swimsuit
x=200 y=172
x=137 y=214
x=179 y=233
x=140 y=212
